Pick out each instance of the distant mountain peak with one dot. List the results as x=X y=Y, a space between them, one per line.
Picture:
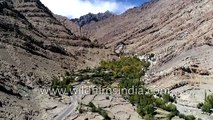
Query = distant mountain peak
x=90 y=17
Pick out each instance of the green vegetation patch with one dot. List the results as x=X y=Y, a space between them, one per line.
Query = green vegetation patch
x=63 y=84
x=128 y=71
x=207 y=106
x=130 y=67
x=99 y=110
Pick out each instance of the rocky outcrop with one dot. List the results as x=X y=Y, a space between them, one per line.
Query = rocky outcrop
x=194 y=69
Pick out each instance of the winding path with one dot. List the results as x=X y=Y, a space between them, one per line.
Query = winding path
x=69 y=111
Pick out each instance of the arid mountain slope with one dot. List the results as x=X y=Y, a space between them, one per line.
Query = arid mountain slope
x=73 y=27
x=55 y=30
x=24 y=61
x=34 y=46
x=179 y=33
x=172 y=30
x=43 y=20
x=156 y=24
x=19 y=35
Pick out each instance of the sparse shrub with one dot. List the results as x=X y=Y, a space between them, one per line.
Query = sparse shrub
x=1 y=105
x=81 y=110
x=100 y=111
x=91 y=91
x=171 y=108
x=152 y=55
x=206 y=107
x=168 y=98
x=67 y=73
x=182 y=116
x=208 y=104
x=148 y=117
x=103 y=113
x=94 y=109
x=85 y=70
x=149 y=109
x=159 y=101
x=107 y=98
x=187 y=117
x=199 y=105
x=65 y=84
x=190 y=117
x=91 y=104
x=170 y=116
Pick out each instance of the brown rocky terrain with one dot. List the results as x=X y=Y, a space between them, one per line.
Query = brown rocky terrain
x=116 y=106
x=179 y=33
x=158 y=24
x=35 y=45
x=75 y=28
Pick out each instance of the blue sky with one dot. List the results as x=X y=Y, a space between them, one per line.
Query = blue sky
x=77 y=8
x=136 y=2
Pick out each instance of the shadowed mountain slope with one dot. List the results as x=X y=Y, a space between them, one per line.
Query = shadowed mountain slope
x=34 y=47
